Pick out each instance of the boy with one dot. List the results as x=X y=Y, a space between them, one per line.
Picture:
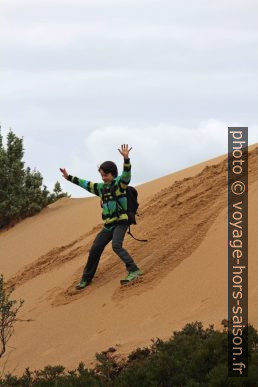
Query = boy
x=114 y=216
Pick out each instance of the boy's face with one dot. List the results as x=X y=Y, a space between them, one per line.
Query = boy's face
x=106 y=177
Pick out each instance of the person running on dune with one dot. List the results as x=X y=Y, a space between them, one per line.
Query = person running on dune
x=115 y=220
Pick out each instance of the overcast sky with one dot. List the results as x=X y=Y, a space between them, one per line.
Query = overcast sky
x=80 y=77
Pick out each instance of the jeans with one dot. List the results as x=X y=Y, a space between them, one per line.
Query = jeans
x=102 y=239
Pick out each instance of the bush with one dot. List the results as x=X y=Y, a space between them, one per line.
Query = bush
x=8 y=316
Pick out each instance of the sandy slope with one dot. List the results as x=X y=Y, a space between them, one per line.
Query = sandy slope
x=184 y=217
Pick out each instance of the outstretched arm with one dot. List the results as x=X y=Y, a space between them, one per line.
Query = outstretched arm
x=94 y=188
x=126 y=174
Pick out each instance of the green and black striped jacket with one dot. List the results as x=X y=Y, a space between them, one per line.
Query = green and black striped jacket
x=112 y=212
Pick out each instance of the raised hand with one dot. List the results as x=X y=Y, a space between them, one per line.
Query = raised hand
x=64 y=172
x=125 y=151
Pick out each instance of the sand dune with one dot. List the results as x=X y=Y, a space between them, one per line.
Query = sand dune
x=184 y=218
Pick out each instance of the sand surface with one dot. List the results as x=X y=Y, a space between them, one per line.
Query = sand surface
x=184 y=217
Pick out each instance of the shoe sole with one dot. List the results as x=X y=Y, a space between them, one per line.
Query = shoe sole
x=78 y=288
x=126 y=282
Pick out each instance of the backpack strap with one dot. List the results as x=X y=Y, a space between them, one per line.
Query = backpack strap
x=139 y=240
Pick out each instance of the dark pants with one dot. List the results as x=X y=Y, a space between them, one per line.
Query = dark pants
x=102 y=239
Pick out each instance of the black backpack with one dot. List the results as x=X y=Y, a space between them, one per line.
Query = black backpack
x=132 y=204
x=132 y=207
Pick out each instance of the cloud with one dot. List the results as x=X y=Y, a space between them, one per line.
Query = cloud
x=78 y=78
x=157 y=150
x=116 y=34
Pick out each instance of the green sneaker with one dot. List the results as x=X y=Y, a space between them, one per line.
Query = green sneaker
x=82 y=285
x=131 y=276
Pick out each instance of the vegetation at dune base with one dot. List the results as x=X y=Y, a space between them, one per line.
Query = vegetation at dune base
x=8 y=316
x=193 y=357
x=22 y=192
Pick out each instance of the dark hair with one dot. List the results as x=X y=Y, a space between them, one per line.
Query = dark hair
x=109 y=167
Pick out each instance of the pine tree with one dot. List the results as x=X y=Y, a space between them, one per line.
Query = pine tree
x=46 y=196
x=13 y=178
x=21 y=191
x=58 y=191
x=33 y=199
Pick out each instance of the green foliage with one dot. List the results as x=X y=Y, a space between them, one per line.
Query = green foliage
x=57 y=189
x=21 y=190
x=108 y=368
x=54 y=376
x=192 y=357
x=8 y=316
